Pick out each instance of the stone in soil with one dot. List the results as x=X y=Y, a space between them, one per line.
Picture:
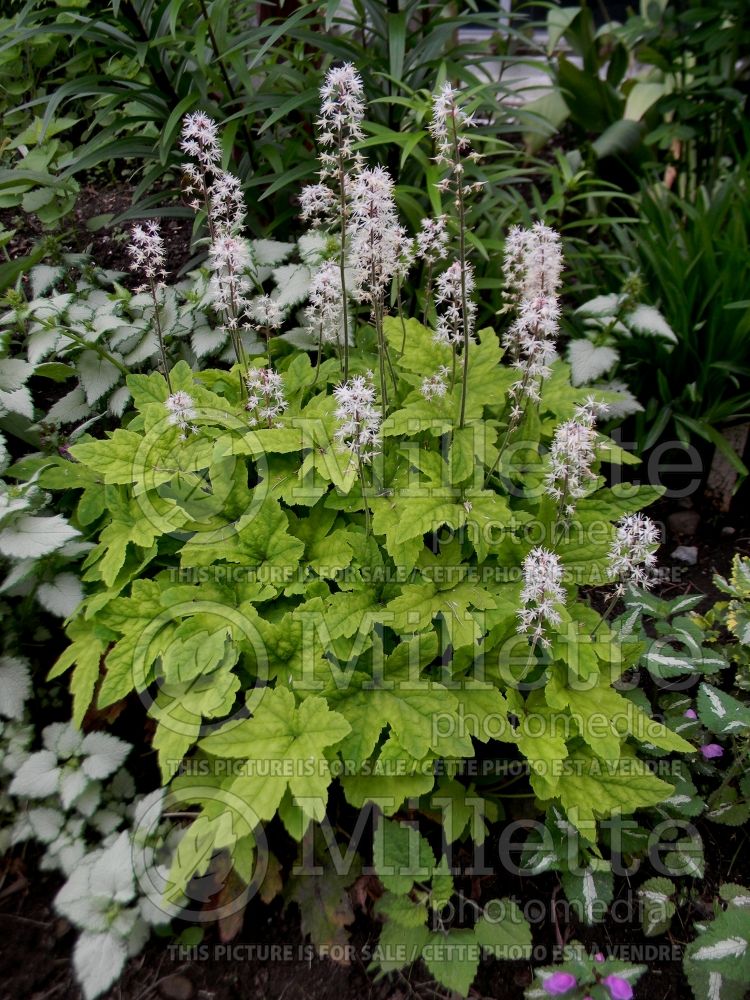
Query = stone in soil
x=686 y=554
x=176 y=988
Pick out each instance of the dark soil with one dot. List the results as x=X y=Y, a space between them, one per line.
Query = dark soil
x=35 y=961
x=87 y=229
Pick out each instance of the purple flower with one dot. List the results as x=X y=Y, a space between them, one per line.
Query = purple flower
x=599 y=957
x=619 y=989
x=691 y=714
x=711 y=750
x=559 y=983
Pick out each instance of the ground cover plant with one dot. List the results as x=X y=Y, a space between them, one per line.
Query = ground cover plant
x=341 y=583
x=363 y=622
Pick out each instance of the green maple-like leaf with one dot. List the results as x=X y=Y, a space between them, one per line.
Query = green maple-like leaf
x=260 y=539
x=398 y=696
x=591 y=789
x=296 y=737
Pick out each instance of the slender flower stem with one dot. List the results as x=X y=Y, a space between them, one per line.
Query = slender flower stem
x=462 y=261
x=607 y=612
x=427 y=293
x=364 y=495
x=401 y=315
x=513 y=423
x=320 y=353
x=159 y=334
x=342 y=250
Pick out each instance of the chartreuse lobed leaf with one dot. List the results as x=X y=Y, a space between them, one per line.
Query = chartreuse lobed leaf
x=295 y=737
x=590 y=788
x=353 y=648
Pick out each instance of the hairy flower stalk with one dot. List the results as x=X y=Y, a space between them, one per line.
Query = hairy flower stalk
x=147 y=258
x=432 y=247
x=338 y=127
x=325 y=313
x=532 y=270
x=449 y=121
x=542 y=590
x=572 y=454
x=200 y=141
x=359 y=426
x=229 y=260
x=219 y=194
x=379 y=251
x=266 y=400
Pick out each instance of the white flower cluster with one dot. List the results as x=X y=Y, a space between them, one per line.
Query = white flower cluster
x=342 y=109
x=229 y=259
x=146 y=251
x=432 y=240
x=450 y=298
x=200 y=141
x=205 y=183
x=542 y=590
x=359 y=418
x=572 y=454
x=448 y=122
x=181 y=412
x=437 y=384
x=226 y=204
x=325 y=314
x=339 y=127
x=632 y=557
x=266 y=400
x=317 y=203
x=220 y=194
x=380 y=247
x=267 y=313
x=532 y=269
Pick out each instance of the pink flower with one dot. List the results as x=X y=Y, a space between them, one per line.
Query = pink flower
x=711 y=750
x=559 y=983
x=691 y=714
x=619 y=989
x=599 y=957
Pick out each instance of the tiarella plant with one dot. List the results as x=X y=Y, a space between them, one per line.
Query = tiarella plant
x=327 y=586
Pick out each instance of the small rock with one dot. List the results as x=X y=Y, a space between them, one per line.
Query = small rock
x=684 y=522
x=728 y=530
x=61 y=927
x=176 y=988
x=686 y=554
